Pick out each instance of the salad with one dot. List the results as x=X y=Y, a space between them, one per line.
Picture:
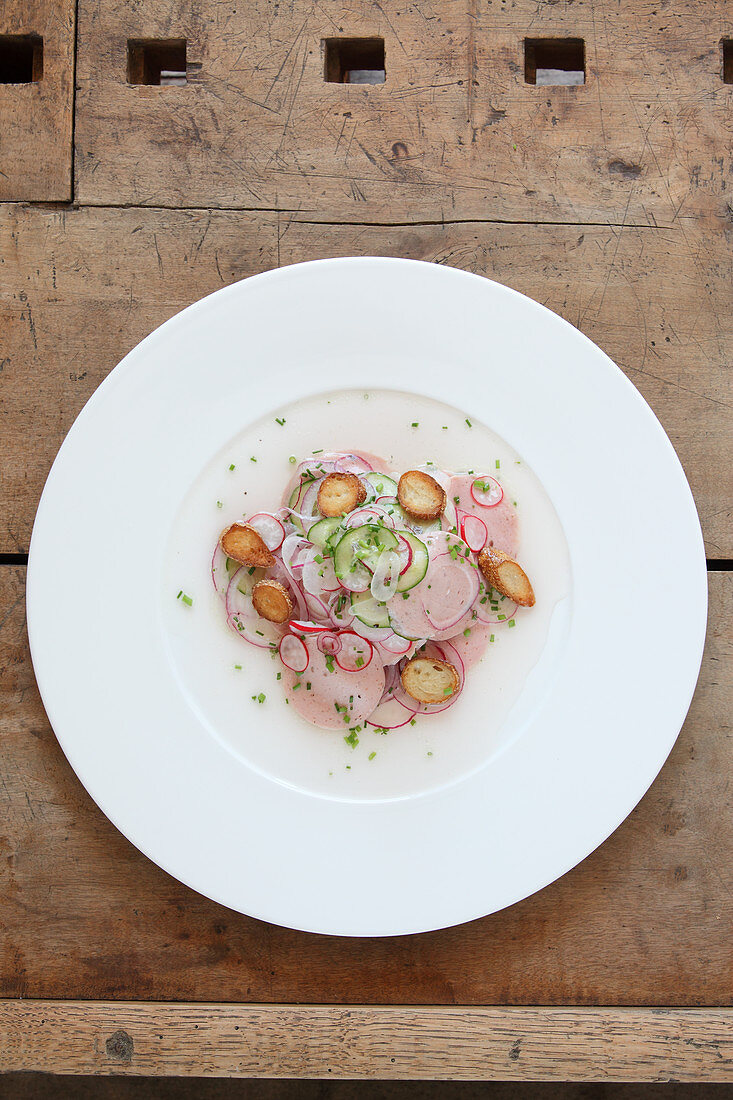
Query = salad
x=377 y=592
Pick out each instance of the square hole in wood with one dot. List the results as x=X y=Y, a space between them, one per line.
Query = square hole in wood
x=21 y=58
x=156 y=61
x=727 y=48
x=554 y=60
x=354 y=60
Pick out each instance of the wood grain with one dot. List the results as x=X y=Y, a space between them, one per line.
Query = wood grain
x=80 y=287
x=455 y=132
x=645 y=920
x=36 y=118
x=507 y=1044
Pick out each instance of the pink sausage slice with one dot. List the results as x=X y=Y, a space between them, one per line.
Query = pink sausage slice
x=357 y=692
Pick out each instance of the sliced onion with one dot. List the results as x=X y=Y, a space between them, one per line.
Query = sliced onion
x=474 y=532
x=308 y=505
x=317 y=608
x=395 y=643
x=487 y=498
x=353 y=649
x=219 y=576
x=305 y=626
x=293 y=653
x=292 y=545
x=270 y=528
x=390 y=714
x=329 y=643
x=373 y=633
x=386 y=576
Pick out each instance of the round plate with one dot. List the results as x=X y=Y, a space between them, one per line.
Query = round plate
x=590 y=746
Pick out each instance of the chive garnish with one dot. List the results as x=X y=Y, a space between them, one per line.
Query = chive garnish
x=469 y=422
x=280 y=421
x=232 y=467
x=372 y=755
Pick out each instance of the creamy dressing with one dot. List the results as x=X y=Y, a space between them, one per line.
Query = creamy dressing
x=510 y=669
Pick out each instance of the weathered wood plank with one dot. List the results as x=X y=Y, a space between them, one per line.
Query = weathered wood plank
x=36 y=116
x=506 y=1044
x=646 y=919
x=455 y=132
x=79 y=288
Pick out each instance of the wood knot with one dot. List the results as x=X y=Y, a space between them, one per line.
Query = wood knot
x=623 y=168
x=399 y=149
x=120 y=1047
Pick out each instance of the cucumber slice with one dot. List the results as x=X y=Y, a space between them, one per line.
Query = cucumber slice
x=421 y=529
x=381 y=485
x=418 y=565
x=233 y=566
x=320 y=533
x=368 y=610
x=362 y=546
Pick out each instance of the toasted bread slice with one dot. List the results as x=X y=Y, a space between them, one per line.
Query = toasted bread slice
x=340 y=493
x=272 y=601
x=506 y=576
x=420 y=495
x=245 y=545
x=429 y=680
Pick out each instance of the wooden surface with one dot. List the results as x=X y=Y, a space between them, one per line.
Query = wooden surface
x=455 y=132
x=647 y=919
x=611 y=203
x=80 y=287
x=36 y=118
x=215 y=1040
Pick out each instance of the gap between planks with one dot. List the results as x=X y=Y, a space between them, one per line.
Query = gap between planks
x=67 y=207
x=363 y=1042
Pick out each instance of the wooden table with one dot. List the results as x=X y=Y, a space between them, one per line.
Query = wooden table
x=609 y=201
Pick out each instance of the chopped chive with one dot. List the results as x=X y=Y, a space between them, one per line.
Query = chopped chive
x=469 y=422
x=219 y=504
x=187 y=600
x=498 y=464
x=359 y=662
x=415 y=424
x=413 y=721
x=279 y=676
x=511 y=623
x=319 y=559
x=296 y=685
x=260 y=633
x=467 y=631
x=307 y=685
x=232 y=466
x=445 y=427
x=292 y=459
x=456 y=500
x=352 y=740
x=372 y=755
x=329 y=663
x=179 y=594
x=348 y=766
x=318 y=452
x=491 y=638
x=238 y=668
x=252 y=458
x=279 y=420
x=430 y=754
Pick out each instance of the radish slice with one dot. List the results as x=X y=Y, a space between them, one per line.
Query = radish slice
x=219 y=576
x=395 y=643
x=444 y=652
x=270 y=528
x=355 y=653
x=404 y=549
x=390 y=715
x=352 y=464
x=489 y=615
x=339 y=610
x=474 y=532
x=329 y=643
x=386 y=576
x=487 y=492
x=368 y=515
x=293 y=653
x=242 y=617
x=301 y=626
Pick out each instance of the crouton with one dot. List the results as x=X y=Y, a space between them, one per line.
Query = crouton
x=245 y=545
x=506 y=576
x=272 y=601
x=429 y=680
x=420 y=495
x=340 y=493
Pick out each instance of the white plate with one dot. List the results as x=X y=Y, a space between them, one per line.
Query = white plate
x=149 y=753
